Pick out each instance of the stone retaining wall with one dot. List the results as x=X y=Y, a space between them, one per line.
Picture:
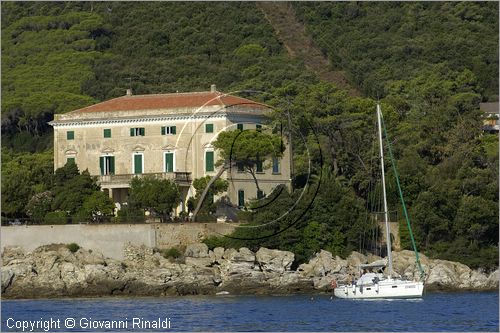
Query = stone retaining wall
x=111 y=239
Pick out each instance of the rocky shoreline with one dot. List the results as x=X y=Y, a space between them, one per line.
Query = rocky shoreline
x=55 y=271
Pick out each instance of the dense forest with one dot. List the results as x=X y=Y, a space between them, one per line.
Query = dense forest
x=429 y=64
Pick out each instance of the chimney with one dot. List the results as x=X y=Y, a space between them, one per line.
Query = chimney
x=213 y=88
x=129 y=92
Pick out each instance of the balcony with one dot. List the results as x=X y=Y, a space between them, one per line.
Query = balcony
x=123 y=180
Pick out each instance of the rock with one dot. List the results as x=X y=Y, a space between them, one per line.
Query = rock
x=244 y=254
x=11 y=253
x=356 y=259
x=7 y=277
x=229 y=253
x=492 y=281
x=198 y=262
x=477 y=280
x=196 y=250
x=323 y=264
x=136 y=253
x=274 y=260
x=86 y=257
x=218 y=253
x=54 y=271
x=443 y=275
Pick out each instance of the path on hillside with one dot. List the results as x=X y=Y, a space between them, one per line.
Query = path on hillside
x=292 y=34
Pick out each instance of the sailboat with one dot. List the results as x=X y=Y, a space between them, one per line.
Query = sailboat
x=374 y=283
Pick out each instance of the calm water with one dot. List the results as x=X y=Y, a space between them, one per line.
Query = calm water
x=435 y=312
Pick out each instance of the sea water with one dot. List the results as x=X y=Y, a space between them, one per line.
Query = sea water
x=477 y=311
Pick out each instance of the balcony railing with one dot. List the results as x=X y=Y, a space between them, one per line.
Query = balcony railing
x=181 y=178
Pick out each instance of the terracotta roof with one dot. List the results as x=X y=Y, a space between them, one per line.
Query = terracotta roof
x=169 y=101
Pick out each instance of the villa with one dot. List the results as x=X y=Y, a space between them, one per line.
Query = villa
x=164 y=135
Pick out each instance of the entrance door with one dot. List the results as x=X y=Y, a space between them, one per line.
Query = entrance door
x=138 y=163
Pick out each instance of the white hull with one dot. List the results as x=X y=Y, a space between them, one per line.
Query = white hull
x=384 y=289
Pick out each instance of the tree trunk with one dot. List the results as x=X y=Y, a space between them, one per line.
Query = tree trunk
x=250 y=171
x=207 y=188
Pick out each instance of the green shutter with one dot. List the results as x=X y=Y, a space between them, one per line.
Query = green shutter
x=137 y=163
x=101 y=164
x=70 y=160
x=240 y=127
x=142 y=132
x=169 y=162
x=163 y=130
x=258 y=127
x=70 y=135
x=107 y=132
x=259 y=166
x=276 y=165
x=209 y=161
x=209 y=128
x=132 y=132
x=173 y=130
x=260 y=194
x=111 y=165
x=241 y=198
x=240 y=167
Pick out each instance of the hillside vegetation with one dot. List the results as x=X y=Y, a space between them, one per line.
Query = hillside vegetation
x=378 y=43
x=429 y=63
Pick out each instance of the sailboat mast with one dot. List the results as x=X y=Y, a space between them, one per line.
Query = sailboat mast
x=386 y=218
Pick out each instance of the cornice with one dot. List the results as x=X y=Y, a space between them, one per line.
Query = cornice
x=143 y=120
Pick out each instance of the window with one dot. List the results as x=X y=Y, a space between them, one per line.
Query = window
x=240 y=167
x=258 y=127
x=209 y=128
x=138 y=163
x=276 y=165
x=70 y=135
x=168 y=130
x=209 y=161
x=241 y=198
x=260 y=194
x=107 y=132
x=169 y=162
x=239 y=127
x=259 y=165
x=107 y=165
x=70 y=160
x=137 y=131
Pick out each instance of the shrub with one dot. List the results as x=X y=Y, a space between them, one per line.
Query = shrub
x=171 y=253
x=57 y=217
x=73 y=247
x=215 y=241
x=130 y=215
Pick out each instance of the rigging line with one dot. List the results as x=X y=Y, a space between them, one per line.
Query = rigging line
x=402 y=200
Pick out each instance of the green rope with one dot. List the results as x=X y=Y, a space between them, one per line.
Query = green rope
x=402 y=200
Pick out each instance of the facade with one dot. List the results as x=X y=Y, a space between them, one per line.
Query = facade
x=164 y=135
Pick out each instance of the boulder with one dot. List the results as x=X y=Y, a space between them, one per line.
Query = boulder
x=323 y=264
x=492 y=281
x=356 y=259
x=218 y=253
x=88 y=257
x=274 y=260
x=12 y=253
x=198 y=262
x=196 y=250
x=244 y=254
x=443 y=275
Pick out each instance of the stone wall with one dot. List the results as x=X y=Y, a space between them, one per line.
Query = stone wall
x=110 y=239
